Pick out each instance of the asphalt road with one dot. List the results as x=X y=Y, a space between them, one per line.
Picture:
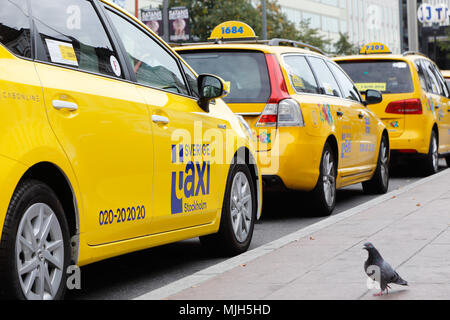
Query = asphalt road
x=132 y=275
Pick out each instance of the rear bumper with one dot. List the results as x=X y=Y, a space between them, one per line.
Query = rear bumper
x=294 y=160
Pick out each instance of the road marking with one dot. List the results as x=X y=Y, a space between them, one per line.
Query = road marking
x=222 y=267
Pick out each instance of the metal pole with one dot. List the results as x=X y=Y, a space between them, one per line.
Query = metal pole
x=166 y=20
x=413 y=29
x=264 y=19
x=136 y=8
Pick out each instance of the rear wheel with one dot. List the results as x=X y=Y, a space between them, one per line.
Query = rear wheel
x=447 y=159
x=238 y=215
x=431 y=161
x=325 y=191
x=34 y=249
x=379 y=184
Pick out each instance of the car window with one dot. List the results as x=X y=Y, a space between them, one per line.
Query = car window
x=349 y=90
x=327 y=82
x=246 y=71
x=300 y=74
x=15 y=27
x=71 y=34
x=422 y=78
x=192 y=81
x=151 y=63
x=387 y=76
x=432 y=80
x=441 y=80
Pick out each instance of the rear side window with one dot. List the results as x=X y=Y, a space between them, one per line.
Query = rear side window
x=387 y=76
x=433 y=83
x=349 y=90
x=327 y=82
x=300 y=74
x=246 y=71
x=71 y=34
x=15 y=27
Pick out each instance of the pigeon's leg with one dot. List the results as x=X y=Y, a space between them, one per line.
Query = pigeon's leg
x=378 y=294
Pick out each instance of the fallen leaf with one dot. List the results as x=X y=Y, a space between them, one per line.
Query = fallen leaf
x=418 y=205
x=311 y=238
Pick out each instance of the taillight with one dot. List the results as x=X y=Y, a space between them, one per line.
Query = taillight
x=410 y=106
x=281 y=110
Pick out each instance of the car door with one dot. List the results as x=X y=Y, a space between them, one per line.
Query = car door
x=186 y=187
x=101 y=120
x=367 y=152
x=334 y=108
x=438 y=103
x=444 y=112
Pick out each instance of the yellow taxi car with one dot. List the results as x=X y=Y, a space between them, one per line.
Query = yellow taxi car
x=416 y=104
x=110 y=144
x=313 y=129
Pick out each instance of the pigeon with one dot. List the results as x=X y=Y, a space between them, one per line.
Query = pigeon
x=385 y=275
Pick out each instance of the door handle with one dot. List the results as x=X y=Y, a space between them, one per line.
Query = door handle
x=61 y=104
x=160 y=119
x=361 y=116
x=340 y=113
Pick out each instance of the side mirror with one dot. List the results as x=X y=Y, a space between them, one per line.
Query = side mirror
x=373 y=97
x=210 y=87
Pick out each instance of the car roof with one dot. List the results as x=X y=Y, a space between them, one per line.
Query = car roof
x=387 y=56
x=244 y=46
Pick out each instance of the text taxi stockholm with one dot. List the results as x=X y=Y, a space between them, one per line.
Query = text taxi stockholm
x=232 y=310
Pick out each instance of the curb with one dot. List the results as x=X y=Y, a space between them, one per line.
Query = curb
x=222 y=267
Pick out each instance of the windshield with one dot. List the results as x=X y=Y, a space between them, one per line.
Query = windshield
x=246 y=71
x=385 y=76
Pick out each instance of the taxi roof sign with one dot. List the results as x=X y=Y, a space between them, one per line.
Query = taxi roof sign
x=233 y=30
x=375 y=48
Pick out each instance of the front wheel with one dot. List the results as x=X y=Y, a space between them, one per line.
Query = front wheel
x=325 y=191
x=238 y=214
x=379 y=184
x=447 y=159
x=431 y=161
x=34 y=249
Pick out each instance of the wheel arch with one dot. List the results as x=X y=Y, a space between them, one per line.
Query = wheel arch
x=57 y=180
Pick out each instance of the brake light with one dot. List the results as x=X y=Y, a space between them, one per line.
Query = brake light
x=281 y=110
x=410 y=106
x=278 y=86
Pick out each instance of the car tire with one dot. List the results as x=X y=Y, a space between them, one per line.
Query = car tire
x=379 y=184
x=325 y=191
x=34 y=248
x=447 y=159
x=431 y=161
x=238 y=215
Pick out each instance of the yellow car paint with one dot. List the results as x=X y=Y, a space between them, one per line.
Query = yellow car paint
x=410 y=133
x=298 y=150
x=113 y=160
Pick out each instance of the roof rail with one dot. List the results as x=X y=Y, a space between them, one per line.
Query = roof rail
x=297 y=44
x=411 y=53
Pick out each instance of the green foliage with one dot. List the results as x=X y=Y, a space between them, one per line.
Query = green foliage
x=207 y=14
x=344 y=47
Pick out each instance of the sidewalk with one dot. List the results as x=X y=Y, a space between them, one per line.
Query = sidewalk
x=410 y=227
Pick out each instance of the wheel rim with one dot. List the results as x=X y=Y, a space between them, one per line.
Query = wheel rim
x=384 y=162
x=241 y=207
x=329 y=179
x=40 y=253
x=434 y=154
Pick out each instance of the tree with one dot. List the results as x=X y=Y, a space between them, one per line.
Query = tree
x=343 y=47
x=207 y=14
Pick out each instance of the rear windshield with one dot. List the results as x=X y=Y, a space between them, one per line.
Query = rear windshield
x=385 y=76
x=246 y=71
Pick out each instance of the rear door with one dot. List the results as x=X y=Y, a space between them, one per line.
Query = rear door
x=99 y=118
x=367 y=151
x=337 y=112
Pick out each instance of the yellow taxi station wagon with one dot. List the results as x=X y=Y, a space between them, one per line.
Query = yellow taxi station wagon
x=313 y=130
x=416 y=101
x=110 y=144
